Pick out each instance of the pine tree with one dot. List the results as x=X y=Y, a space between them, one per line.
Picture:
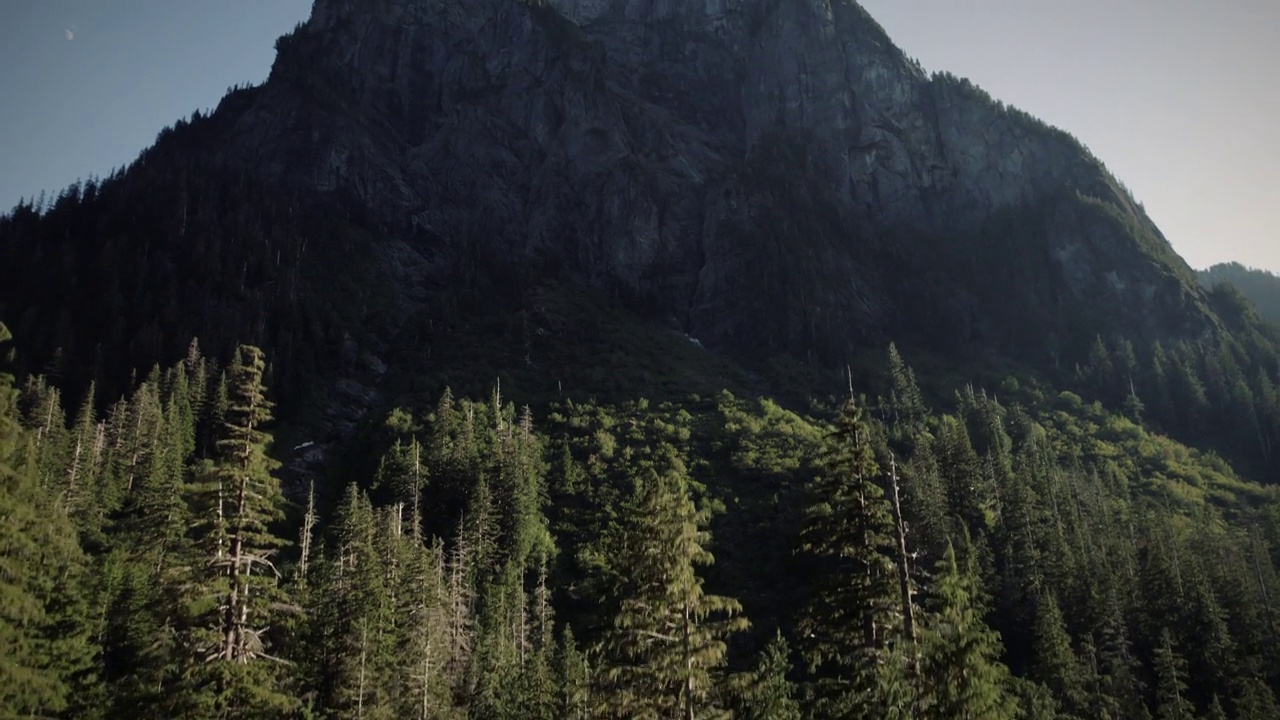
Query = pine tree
x=967 y=493
x=422 y=649
x=356 y=603
x=1253 y=700
x=770 y=695
x=574 y=673
x=667 y=637
x=1035 y=701
x=1120 y=690
x=83 y=468
x=403 y=473
x=238 y=676
x=855 y=609
x=963 y=676
x=37 y=546
x=1215 y=711
x=1171 y=682
x=1055 y=664
x=906 y=402
x=148 y=606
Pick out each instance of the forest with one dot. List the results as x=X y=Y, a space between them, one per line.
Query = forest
x=1260 y=286
x=882 y=555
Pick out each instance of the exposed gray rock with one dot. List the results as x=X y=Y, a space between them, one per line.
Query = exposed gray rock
x=746 y=166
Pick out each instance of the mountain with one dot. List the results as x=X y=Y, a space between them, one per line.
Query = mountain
x=767 y=177
x=766 y=174
x=1006 y=456
x=1261 y=287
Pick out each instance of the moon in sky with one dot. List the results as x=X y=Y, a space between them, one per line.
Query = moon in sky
x=71 y=34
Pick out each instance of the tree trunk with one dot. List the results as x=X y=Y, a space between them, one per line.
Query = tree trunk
x=688 y=668
x=904 y=570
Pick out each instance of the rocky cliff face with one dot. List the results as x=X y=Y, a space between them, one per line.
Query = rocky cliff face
x=765 y=173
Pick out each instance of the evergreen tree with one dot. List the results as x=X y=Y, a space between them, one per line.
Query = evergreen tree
x=1171 y=682
x=770 y=694
x=1215 y=711
x=356 y=609
x=855 y=609
x=1253 y=700
x=668 y=637
x=574 y=672
x=422 y=649
x=39 y=562
x=906 y=402
x=1055 y=663
x=960 y=665
x=237 y=676
x=967 y=494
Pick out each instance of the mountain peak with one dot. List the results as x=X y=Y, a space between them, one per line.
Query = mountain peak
x=647 y=146
x=768 y=176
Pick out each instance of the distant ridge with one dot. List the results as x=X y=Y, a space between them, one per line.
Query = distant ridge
x=1260 y=286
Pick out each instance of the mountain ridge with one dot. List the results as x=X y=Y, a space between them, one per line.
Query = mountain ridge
x=1261 y=287
x=570 y=153
x=411 y=163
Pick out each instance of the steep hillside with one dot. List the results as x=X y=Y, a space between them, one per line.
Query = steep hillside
x=1260 y=287
x=765 y=176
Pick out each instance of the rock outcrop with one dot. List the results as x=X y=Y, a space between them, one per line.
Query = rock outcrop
x=770 y=173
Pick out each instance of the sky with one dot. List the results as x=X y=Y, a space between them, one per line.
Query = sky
x=1178 y=97
x=88 y=84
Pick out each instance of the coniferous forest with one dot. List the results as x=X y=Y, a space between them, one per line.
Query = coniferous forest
x=492 y=363
x=1034 y=556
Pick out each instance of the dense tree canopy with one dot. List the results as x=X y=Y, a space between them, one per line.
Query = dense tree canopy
x=1044 y=558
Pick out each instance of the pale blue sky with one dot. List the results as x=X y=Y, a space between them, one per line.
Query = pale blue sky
x=82 y=106
x=1178 y=97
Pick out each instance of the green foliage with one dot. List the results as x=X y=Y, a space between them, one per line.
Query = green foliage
x=42 y=637
x=1243 y=291
x=1171 y=687
x=668 y=637
x=770 y=695
x=963 y=676
x=854 y=614
x=473 y=538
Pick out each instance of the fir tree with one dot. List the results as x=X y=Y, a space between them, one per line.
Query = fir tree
x=238 y=675
x=37 y=556
x=1055 y=663
x=574 y=672
x=668 y=637
x=354 y=607
x=1253 y=700
x=1171 y=682
x=855 y=608
x=963 y=676
x=906 y=402
x=770 y=694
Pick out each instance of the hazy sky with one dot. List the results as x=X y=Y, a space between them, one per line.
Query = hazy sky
x=1179 y=97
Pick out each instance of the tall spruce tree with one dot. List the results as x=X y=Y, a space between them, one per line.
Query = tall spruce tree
x=667 y=639
x=770 y=695
x=855 y=610
x=1055 y=664
x=1171 y=682
x=963 y=676
x=38 y=557
x=355 y=608
x=238 y=675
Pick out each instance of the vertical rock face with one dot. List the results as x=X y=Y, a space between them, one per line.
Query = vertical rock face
x=769 y=173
